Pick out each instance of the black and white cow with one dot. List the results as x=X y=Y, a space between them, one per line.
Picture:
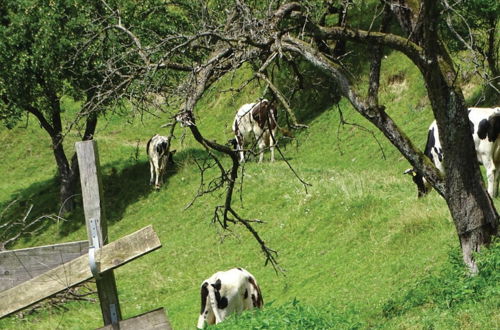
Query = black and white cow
x=228 y=292
x=258 y=120
x=485 y=128
x=160 y=156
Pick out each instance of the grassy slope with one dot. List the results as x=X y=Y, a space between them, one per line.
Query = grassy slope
x=348 y=245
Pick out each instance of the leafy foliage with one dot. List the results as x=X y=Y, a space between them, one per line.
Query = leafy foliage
x=37 y=55
x=453 y=286
x=292 y=315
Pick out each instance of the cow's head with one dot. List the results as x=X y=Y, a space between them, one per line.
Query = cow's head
x=423 y=185
x=265 y=114
x=232 y=143
x=494 y=125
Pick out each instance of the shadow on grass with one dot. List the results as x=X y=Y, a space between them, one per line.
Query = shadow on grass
x=124 y=183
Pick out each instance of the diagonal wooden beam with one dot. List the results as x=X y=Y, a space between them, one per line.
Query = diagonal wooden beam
x=76 y=271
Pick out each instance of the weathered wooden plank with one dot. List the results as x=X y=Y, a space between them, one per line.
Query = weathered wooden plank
x=17 y=266
x=97 y=229
x=90 y=177
x=154 y=320
x=77 y=270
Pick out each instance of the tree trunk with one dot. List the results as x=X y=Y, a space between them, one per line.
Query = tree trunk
x=67 y=178
x=470 y=205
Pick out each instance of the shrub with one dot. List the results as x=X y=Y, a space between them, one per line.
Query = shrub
x=293 y=315
x=453 y=285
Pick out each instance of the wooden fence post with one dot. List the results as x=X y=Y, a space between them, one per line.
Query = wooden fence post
x=88 y=162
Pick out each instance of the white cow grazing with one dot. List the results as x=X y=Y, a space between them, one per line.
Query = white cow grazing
x=228 y=292
x=159 y=154
x=258 y=120
x=485 y=128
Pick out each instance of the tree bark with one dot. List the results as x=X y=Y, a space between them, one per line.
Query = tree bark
x=67 y=178
x=470 y=205
x=67 y=183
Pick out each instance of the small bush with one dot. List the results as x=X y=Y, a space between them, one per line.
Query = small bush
x=293 y=315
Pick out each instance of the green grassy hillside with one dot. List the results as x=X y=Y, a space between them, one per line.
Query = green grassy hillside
x=358 y=248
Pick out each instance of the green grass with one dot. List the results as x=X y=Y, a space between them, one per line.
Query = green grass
x=355 y=247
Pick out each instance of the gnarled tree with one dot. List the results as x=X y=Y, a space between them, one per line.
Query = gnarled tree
x=244 y=33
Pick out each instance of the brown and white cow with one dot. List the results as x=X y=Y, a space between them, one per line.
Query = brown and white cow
x=225 y=293
x=259 y=121
x=485 y=129
x=160 y=156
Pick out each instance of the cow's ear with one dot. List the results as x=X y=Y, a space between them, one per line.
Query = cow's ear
x=173 y=151
x=217 y=285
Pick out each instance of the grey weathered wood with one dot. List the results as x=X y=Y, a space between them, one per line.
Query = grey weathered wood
x=77 y=270
x=90 y=178
x=154 y=320
x=17 y=266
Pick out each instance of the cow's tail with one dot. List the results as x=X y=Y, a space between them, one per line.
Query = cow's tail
x=147 y=146
x=213 y=303
x=257 y=301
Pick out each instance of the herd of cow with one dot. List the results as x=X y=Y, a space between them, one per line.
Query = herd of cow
x=253 y=121
x=236 y=290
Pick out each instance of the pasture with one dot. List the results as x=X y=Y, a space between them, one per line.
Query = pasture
x=353 y=247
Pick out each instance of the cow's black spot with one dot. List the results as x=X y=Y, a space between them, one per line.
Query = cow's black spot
x=222 y=302
x=494 y=128
x=439 y=153
x=482 y=129
x=217 y=285
x=239 y=269
x=245 y=296
x=431 y=143
x=204 y=295
x=254 y=300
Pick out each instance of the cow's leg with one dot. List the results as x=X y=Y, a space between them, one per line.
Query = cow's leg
x=272 y=143
x=263 y=143
x=163 y=167
x=152 y=172
x=261 y=152
x=213 y=305
x=161 y=173
x=158 y=175
x=491 y=174
x=206 y=314
x=239 y=147
x=497 y=178
x=207 y=317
